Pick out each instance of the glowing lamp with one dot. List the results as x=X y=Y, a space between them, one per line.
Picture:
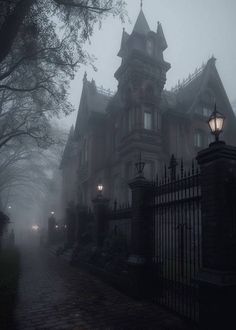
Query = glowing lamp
x=216 y=123
x=35 y=227
x=100 y=188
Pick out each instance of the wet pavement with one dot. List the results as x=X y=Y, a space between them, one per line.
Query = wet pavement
x=55 y=295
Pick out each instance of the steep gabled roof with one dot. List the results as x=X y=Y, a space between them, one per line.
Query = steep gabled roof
x=97 y=98
x=188 y=92
x=125 y=37
x=93 y=100
x=185 y=97
x=161 y=37
x=68 y=148
x=141 y=26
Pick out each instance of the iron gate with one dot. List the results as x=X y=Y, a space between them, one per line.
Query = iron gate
x=177 y=239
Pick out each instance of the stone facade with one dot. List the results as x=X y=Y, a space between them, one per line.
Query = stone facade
x=112 y=129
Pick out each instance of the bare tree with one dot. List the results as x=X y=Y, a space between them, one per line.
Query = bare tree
x=41 y=46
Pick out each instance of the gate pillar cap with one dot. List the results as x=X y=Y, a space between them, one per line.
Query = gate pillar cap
x=216 y=151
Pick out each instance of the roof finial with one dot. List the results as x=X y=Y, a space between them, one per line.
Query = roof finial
x=141 y=4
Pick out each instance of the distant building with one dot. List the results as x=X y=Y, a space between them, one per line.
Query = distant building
x=112 y=129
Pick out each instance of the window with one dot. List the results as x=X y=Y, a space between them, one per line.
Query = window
x=206 y=112
x=198 y=139
x=147 y=120
x=150 y=47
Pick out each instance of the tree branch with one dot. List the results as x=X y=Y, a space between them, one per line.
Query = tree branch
x=11 y=25
x=98 y=10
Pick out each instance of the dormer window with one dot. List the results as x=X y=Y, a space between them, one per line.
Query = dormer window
x=150 y=47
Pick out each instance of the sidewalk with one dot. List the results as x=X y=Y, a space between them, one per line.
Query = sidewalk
x=54 y=295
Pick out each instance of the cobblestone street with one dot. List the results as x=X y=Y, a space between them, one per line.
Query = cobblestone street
x=54 y=295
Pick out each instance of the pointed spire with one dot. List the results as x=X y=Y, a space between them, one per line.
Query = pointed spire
x=125 y=37
x=85 y=77
x=161 y=37
x=141 y=26
x=212 y=60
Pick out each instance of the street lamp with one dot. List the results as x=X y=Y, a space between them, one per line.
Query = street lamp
x=52 y=212
x=100 y=189
x=216 y=123
x=35 y=227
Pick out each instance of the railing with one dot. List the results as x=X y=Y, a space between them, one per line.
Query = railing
x=188 y=80
x=106 y=92
x=177 y=240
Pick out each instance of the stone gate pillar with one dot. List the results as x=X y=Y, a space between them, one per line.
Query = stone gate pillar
x=71 y=224
x=217 y=277
x=140 y=259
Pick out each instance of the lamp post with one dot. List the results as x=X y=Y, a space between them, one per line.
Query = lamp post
x=100 y=207
x=216 y=123
x=140 y=166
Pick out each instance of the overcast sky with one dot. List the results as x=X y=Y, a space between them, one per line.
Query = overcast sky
x=194 y=30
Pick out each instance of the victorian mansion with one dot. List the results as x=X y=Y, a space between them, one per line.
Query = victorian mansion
x=112 y=129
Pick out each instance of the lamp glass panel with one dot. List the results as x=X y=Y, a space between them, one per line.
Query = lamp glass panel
x=219 y=123
x=212 y=124
x=100 y=187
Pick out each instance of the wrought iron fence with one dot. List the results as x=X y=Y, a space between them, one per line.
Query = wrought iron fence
x=120 y=222
x=177 y=239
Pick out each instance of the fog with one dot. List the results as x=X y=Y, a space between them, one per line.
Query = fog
x=119 y=196
x=194 y=31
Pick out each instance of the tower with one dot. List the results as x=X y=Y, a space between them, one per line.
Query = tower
x=141 y=78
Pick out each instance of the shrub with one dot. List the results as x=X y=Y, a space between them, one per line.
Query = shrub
x=9 y=275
